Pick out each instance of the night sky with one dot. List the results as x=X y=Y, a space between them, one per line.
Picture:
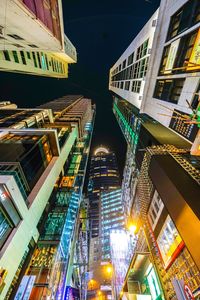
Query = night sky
x=100 y=31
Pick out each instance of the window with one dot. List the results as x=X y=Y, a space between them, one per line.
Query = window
x=15 y=36
x=6 y=55
x=124 y=64
x=28 y=55
x=121 y=85
x=186 y=59
x=136 y=85
x=9 y=218
x=34 y=59
x=169 y=89
x=130 y=59
x=39 y=60
x=23 y=57
x=155 y=209
x=33 y=46
x=127 y=85
x=142 y=50
x=15 y=55
x=187 y=16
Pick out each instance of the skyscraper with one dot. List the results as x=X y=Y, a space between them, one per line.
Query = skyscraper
x=32 y=38
x=162 y=138
x=106 y=213
x=43 y=163
x=103 y=176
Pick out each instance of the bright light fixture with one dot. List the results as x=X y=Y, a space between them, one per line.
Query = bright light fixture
x=101 y=149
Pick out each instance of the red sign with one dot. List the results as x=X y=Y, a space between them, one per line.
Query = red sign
x=188 y=292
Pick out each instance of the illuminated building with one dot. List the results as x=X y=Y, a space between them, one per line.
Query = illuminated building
x=174 y=70
x=161 y=183
x=32 y=38
x=168 y=224
x=128 y=75
x=104 y=176
x=111 y=217
x=103 y=189
x=42 y=170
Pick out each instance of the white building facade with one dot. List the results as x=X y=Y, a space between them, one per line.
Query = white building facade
x=128 y=74
x=173 y=79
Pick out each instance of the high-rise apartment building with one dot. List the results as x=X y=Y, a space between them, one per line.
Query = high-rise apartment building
x=32 y=38
x=161 y=178
x=106 y=213
x=103 y=176
x=167 y=87
x=128 y=75
x=171 y=94
x=42 y=169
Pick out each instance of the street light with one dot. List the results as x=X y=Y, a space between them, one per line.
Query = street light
x=132 y=228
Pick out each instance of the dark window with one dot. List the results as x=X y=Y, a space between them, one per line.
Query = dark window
x=33 y=46
x=121 y=85
x=15 y=36
x=9 y=218
x=136 y=85
x=127 y=85
x=130 y=59
x=28 y=55
x=15 y=55
x=124 y=64
x=142 y=50
x=34 y=59
x=184 y=18
x=39 y=60
x=169 y=90
x=23 y=57
x=6 y=55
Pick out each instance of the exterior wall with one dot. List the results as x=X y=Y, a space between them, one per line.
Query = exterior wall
x=30 y=26
x=151 y=105
x=21 y=236
x=147 y=32
x=35 y=63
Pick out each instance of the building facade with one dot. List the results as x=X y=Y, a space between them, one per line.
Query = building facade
x=163 y=138
x=43 y=163
x=172 y=92
x=32 y=39
x=106 y=213
x=128 y=75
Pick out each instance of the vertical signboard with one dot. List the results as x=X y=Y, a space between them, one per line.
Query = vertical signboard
x=194 y=60
x=25 y=288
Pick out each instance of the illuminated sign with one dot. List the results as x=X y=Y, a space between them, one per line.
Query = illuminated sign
x=188 y=131
x=153 y=283
x=188 y=292
x=171 y=56
x=25 y=288
x=169 y=242
x=194 y=61
x=2 y=195
x=3 y=274
x=72 y=293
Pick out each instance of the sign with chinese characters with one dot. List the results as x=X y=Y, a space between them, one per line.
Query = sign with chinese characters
x=194 y=61
x=188 y=131
x=188 y=292
x=72 y=293
x=171 y=56
x=3 y=274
